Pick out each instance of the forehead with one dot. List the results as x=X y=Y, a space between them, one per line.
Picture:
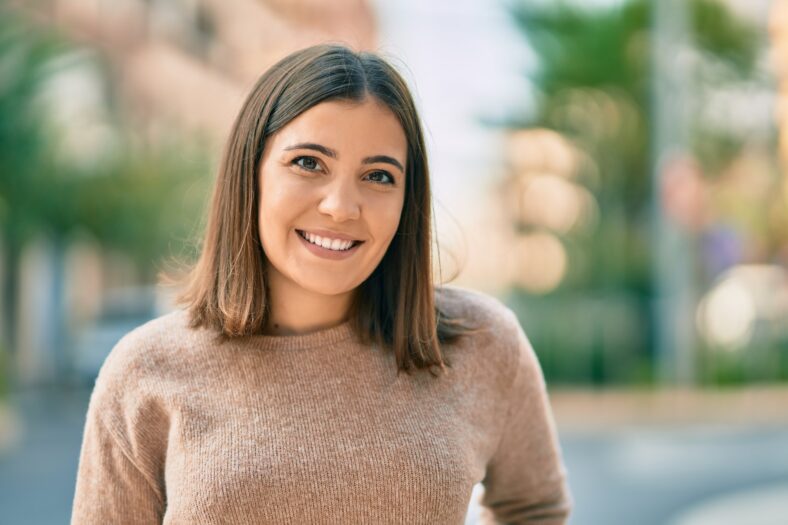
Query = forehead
x=367 y=127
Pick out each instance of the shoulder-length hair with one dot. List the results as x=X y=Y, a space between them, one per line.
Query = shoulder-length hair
x=396 y=306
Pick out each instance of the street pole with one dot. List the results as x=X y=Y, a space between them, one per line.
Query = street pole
x=674 y=306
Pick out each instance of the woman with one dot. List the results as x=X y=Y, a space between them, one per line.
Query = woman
x=275 y=395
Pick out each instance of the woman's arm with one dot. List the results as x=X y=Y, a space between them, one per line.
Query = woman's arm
x=120 y=478
x=111 y=487
x=526 y=480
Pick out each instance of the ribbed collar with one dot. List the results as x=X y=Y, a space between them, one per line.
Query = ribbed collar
x=319 y=338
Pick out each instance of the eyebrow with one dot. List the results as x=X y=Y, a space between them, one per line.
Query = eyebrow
x=333 y=154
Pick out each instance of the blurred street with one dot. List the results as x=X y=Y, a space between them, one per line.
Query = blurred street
x=659 y=475
x=615 y=172
x=623 y=474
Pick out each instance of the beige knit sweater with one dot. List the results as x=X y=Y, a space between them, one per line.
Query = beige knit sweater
x=317 y=428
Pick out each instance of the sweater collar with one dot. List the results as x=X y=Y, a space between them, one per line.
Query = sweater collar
x=322 y=337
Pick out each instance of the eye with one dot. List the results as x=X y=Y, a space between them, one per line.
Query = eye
x=308 y=164
x=382 y=174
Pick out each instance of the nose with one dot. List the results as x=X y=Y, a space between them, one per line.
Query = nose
x=341 y=200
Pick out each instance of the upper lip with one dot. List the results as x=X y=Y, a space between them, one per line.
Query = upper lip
x=332 y=235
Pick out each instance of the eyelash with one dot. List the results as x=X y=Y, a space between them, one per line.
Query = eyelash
x=295 y=161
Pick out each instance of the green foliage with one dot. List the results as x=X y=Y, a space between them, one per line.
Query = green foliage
x=587 y=338
x=25 y=149
x=593 y=85
x=725 y=37
x=137 y=200
x=762 y=362
x=146 y=204
x=592 y=47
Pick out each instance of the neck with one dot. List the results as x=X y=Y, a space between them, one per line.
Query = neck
x=294 y=310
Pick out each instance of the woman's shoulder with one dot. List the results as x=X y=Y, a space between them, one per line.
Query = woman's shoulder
x=130 y=393
x=144 y=351
x=500 y=333
x=490 y=311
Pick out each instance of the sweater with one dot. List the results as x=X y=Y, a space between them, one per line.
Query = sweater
x=318 y=428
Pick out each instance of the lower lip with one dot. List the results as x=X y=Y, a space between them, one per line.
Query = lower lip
x=325 y=253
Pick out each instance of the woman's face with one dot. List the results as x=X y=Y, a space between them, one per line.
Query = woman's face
x=336 y=171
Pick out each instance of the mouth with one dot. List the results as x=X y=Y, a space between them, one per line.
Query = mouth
x=345 y=248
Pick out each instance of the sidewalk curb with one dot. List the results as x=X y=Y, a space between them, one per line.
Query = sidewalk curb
x=576 y=409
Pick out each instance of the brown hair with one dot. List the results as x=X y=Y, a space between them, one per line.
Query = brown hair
x=395 y=307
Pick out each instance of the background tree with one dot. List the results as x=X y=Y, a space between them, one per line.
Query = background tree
x=140 y=199
x=593 y=85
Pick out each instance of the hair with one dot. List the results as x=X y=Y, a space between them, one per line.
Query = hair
x=396 y=306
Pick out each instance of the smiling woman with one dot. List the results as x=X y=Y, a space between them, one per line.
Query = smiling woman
x=272 y=396
x=346 y=197
x=327 y=140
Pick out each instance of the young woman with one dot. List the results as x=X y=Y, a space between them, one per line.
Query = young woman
x=275 y=395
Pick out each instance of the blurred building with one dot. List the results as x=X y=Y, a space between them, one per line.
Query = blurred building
x=190 y=62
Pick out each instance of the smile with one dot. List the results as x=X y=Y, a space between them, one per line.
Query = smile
x=329 y=249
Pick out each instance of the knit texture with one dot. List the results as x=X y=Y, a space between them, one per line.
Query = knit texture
x=318 y=428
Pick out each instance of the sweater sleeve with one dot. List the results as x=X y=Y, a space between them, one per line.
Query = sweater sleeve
x=110 y=487
x=526 y=479
x=121 y=462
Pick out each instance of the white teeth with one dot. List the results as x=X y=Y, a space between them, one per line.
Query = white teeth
x=331 y=244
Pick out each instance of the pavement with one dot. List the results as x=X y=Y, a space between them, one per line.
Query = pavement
x=710 y=457
x=762 y=506
x=586 y=410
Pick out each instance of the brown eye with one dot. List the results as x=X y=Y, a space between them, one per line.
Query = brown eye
x=383 y=174
x=306 y=162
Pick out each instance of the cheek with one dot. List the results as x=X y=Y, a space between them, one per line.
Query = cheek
x=386 y=219
x=271 y=222
x=278 y=204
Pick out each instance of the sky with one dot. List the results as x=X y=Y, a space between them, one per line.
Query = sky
x=464 y=61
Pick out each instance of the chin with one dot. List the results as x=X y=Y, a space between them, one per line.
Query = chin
x=325 y=288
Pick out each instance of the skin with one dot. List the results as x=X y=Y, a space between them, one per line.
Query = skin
x=307 y=189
